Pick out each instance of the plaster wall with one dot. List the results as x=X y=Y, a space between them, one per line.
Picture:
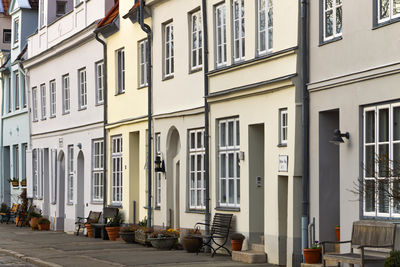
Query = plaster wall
x=5 y=24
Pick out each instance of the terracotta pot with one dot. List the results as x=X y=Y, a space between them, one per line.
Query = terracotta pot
x=34 y=223
x=192 y=243
x=337 y=228
x=44 y=226
x=89 y=230
x=113 y=232
x=17 y=220
x=312 y=255
x=237 y=245
x=128 y=237
x=23 y=183
x=15 y=183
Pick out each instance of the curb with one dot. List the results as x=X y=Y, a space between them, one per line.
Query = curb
x=32 y=260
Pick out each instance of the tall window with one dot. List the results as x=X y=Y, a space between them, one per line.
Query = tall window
x=53 y=175
x=16 y=162
x=98 y=163
x=332 y=19
x=35 y=172
x=23 y=91
x=66 y=94
x=387 y=10
x=220 y=34
x=23 y=162
x=16 y=30
x=238 y=30
x=41 y=14
x=99 y=82
x=9 y=91
x=381 y=160
x=82 y=88
x=43 y=100
x=228 y=163
x=169 y=49
x=283 y=126
x=143 y=63
x=53 y=99
x=265 y=26
x=34 y=104
x=196 y=169
x=196 y=41
x=16 y=90
x=120 y=70
x=70 y=186
x=116 y=169
x=157 y=183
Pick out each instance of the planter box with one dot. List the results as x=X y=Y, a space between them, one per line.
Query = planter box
x=142 y=238
x=164 y=242
x=128 y=237
x=192 y=244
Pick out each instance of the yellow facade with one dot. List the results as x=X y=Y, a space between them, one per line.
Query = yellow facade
x=127 y=117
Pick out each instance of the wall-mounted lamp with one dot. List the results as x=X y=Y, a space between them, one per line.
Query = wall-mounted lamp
x=79 y=145
x=159 y=165
x=337 y=138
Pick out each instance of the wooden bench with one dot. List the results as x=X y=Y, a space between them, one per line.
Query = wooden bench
x=10 y=214
x=373 y=239
x=99 y=229
x=220 y=228
x=94 y=217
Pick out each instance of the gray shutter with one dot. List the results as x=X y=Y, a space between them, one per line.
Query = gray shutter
x=29 y=174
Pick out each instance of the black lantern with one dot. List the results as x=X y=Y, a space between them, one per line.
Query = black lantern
x=159 y=165
x=337 y=138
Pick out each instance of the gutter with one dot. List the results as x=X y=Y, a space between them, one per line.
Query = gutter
x=105 y=105
x=206 y=120
x=146 y=28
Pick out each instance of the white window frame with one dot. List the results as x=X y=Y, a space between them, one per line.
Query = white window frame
x=116 y=169
x=34 y=104
x=220 y=30
x=71 y=167
x=43 y=101
x=391 y=11
x=35 y=172
x=196 y=41
x=224 y=151
x=283 y=126
x=82 y=85
x=53 y=99
x=16 y=30
x=23 y=91
x=41 y=14
x=16 y=91
x=143 y=57
x=333 y=9
x=40 y=181
x=97 y=171
x=16 y=162
x=53 y=175
x=169 y=59
x=239 y=39
x=196 y=173
x=120 y=58
x=99 y=83
x=268 y=30
x=23 y=160
x=158 y=175
x=66 y=94
x=9 y=91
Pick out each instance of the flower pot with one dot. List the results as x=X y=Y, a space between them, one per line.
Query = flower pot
x=337 y=228
x=89 y=229
x=44 y=226
x=34 y=223
x=192 y=243
x=23 y=183
x=128 y=237
x=142 y=238
x=15 y=183
x=312 y=255
x=237 y=245
x=163 y=242
x=113 y=232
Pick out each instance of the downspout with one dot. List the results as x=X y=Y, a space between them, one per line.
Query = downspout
x=206 y=120
x=306 y=125
x=1 y=141
x=105 y=104
x=146 y=28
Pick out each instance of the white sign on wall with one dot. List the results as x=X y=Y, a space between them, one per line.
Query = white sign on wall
x=283 y=163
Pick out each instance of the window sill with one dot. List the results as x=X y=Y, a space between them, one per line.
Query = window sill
x=66 y=113
x=34 y=120
x=195 y=211
x=119 y=93
x=15 y=46
x=157 y=208
x=43 y=119
x=142 y=87
x=70 y=204
x=99 y=104
x=52 y=116
x=166 y=78
x=338 y=38
x=82 y=108
x=192 y=71
x=228 y=209
x=378 y=25
x=93 y=202
x=282 y=145
x=116 y=205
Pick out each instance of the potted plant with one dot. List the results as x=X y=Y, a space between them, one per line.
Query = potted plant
x=23 y=183
x=393 y=260
x=127 y=233
x=89 y=230
x=313 y=254
x=142 y=235
x=14 y=182
x=337 y=229
x=193 y=241
x=21 y=218
x=237 y=241
x=44 y=224
x=33 y=218
x=113 y=226
x=164 y=239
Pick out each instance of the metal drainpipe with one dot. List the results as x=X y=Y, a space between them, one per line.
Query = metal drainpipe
x=206 y=120
x=105 y=105
x=305 y=126
x=146 y=28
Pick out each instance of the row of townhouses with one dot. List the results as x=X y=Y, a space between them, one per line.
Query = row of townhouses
x=235 y=102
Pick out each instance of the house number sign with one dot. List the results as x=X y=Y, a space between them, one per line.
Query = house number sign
x=283 y=163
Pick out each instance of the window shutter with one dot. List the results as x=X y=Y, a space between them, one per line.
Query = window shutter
x=29 y=174
x=53 y=171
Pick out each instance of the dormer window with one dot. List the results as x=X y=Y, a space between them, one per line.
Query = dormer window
x=61 y=8
x=16 y=30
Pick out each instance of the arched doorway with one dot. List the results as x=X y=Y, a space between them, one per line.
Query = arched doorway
x=80 y=201
x=60 y=214
x=172 y=176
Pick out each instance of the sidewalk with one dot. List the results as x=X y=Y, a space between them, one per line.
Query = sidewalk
x=46 y=248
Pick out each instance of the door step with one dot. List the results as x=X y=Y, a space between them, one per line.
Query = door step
x=258 y=247
x=249 y=256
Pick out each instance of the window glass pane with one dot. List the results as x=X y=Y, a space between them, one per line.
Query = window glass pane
x=396 y=123
x=328 y=4
x=370 y=196
x=230 y=133
x=231 y=164
x=339 y=20
x=370 y=161
x=396 y=160
x=223 y=165
x=383 y=196
x=384 y=6
x=231 y=191
x=396 y=7
x=223 y=134
x=199 y=139
x=192 y=140
x=383 y=125
x=396 y=195
x=237 y=133
x=384 y=161
x=223 y=191
x=370 y=126
x=328 y=23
